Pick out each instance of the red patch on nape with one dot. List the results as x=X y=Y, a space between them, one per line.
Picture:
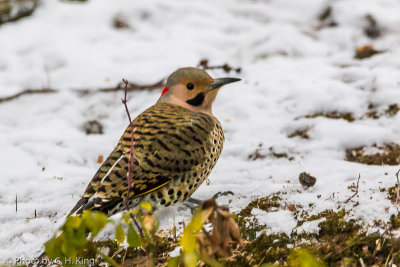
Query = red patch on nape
x=164 y=90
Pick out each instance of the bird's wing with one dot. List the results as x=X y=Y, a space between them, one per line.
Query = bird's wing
x=168 y=142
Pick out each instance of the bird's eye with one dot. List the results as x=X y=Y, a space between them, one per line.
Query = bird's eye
x=190 y=86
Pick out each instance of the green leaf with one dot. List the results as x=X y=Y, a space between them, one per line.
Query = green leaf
x=156 y=223
x=95 y=221
x=133 y=238
x=72 y=223
x=52 y=248
x=119 y=233
x=174 y=262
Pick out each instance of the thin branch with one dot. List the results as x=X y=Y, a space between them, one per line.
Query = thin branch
x=355 y=193
x=28 y=92
x=128 y=175
x=133 y=86
x=137 y=226
x=119 y=87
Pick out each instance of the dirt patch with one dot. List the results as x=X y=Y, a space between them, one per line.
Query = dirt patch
x=93 y=127
x=258 y=154
x=348 y=116
x=387 y=154
x=302 y=133
x=389 y=111
x=372 y=29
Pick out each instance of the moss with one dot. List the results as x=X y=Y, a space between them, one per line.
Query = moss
x=390 y=155
x=264 y=203
x=339 y=242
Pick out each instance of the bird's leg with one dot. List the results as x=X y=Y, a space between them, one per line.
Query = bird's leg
x=194 y=201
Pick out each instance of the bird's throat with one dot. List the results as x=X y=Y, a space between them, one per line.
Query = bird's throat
x=197 y=100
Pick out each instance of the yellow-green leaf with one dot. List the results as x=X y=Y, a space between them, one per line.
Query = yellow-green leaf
x=119 y=233
x=190 y=259
x=302 y=258
x=174 y=262
x=146 y=205
x=95 y=221
x=126 y=217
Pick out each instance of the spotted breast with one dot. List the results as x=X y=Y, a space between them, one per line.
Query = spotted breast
x=174 y=151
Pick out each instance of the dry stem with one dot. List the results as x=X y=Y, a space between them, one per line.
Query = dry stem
x=355 y=193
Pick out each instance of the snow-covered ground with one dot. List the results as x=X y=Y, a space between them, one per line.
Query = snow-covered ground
x=292 y=65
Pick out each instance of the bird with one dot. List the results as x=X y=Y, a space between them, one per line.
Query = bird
x=175 y=145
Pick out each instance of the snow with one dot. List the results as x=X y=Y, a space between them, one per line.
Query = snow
x=276 y=221
x=290 y=68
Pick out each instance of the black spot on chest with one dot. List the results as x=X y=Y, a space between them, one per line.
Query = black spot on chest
x=197 y=100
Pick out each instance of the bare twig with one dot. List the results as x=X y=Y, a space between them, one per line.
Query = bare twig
x=355 y=193
x=119 y=87
x=226 y=67
x=133 y=86
x=137 y=226
x=128 y=175
x=28 y=92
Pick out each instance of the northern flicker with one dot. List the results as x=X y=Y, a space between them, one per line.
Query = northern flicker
x=176 y=144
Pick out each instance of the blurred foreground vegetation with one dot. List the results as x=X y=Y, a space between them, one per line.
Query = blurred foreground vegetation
x=215 y=237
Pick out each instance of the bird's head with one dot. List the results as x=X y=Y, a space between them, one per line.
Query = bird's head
x=193 y=89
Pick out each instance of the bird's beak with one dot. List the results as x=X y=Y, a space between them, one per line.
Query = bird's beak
x=217 y=83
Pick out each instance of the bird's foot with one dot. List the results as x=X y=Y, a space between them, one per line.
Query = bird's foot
x=221 y=194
